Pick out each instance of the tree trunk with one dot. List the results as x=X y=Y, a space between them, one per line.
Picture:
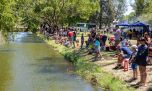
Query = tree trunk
x=100 y=15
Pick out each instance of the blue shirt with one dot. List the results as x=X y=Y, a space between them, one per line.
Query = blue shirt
x=97 y=43
x=126 y=50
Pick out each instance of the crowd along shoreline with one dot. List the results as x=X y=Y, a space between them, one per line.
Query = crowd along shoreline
x=87 y=70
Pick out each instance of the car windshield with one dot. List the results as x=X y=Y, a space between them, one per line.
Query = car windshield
x=80 y=25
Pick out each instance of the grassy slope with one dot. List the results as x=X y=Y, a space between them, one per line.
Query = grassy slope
x=88 y=70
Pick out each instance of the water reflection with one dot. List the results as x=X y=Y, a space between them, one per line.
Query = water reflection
x=34 y=66
x=5 y=69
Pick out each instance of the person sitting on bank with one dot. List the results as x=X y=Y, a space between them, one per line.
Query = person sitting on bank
x=124 y=53
x=117 y=35
x=67 y=43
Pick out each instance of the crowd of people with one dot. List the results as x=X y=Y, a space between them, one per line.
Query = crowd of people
x=138 y=55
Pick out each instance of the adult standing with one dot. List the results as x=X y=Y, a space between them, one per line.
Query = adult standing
x=117 y=35
x=93 y=33
x=124 y=34
x=82 y=41
x=130 y=34
x=147 y=38
x=74 y=38
x=141 y=60
x=103 y=39
x=70 y=35
x=150 y=52
x=97 y=48
x=124 y=53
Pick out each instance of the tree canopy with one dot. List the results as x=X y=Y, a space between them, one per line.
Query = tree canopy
x=147 y=12
x=111 y=10
x=143 y=10
x=7 y=18
x=31 y=13
x=54 y=12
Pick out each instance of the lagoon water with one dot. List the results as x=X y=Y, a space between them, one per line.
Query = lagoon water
x=27 y=63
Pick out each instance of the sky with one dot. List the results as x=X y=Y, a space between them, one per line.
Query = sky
x=129 y=8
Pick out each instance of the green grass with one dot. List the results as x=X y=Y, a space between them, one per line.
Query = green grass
x=90 y=71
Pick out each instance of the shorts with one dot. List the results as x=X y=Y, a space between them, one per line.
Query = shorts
x=74 y=38
x=97 y=49
x=141 y=62
x=134 y=66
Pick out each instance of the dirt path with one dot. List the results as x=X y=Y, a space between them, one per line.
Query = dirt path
x=108 y=66
x=109 y=62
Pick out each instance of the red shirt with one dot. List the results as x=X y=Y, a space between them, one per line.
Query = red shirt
x=112 y=38
x=70 y=34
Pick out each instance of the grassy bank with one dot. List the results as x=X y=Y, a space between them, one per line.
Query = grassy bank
x=88 y=70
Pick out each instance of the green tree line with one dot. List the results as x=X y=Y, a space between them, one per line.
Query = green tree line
x=31 y=13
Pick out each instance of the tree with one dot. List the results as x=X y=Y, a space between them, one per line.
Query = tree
x=139 y=6
x=67 y=12
x=110 y=10
x=119 y=8
x=147 y=12
x=131 y=17
x=26 y=16
x=54 y=12
x=7 y=18
x=31 y=13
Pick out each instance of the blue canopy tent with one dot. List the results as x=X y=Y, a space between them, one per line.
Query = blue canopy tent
x=138 y=24
x=123 y=23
